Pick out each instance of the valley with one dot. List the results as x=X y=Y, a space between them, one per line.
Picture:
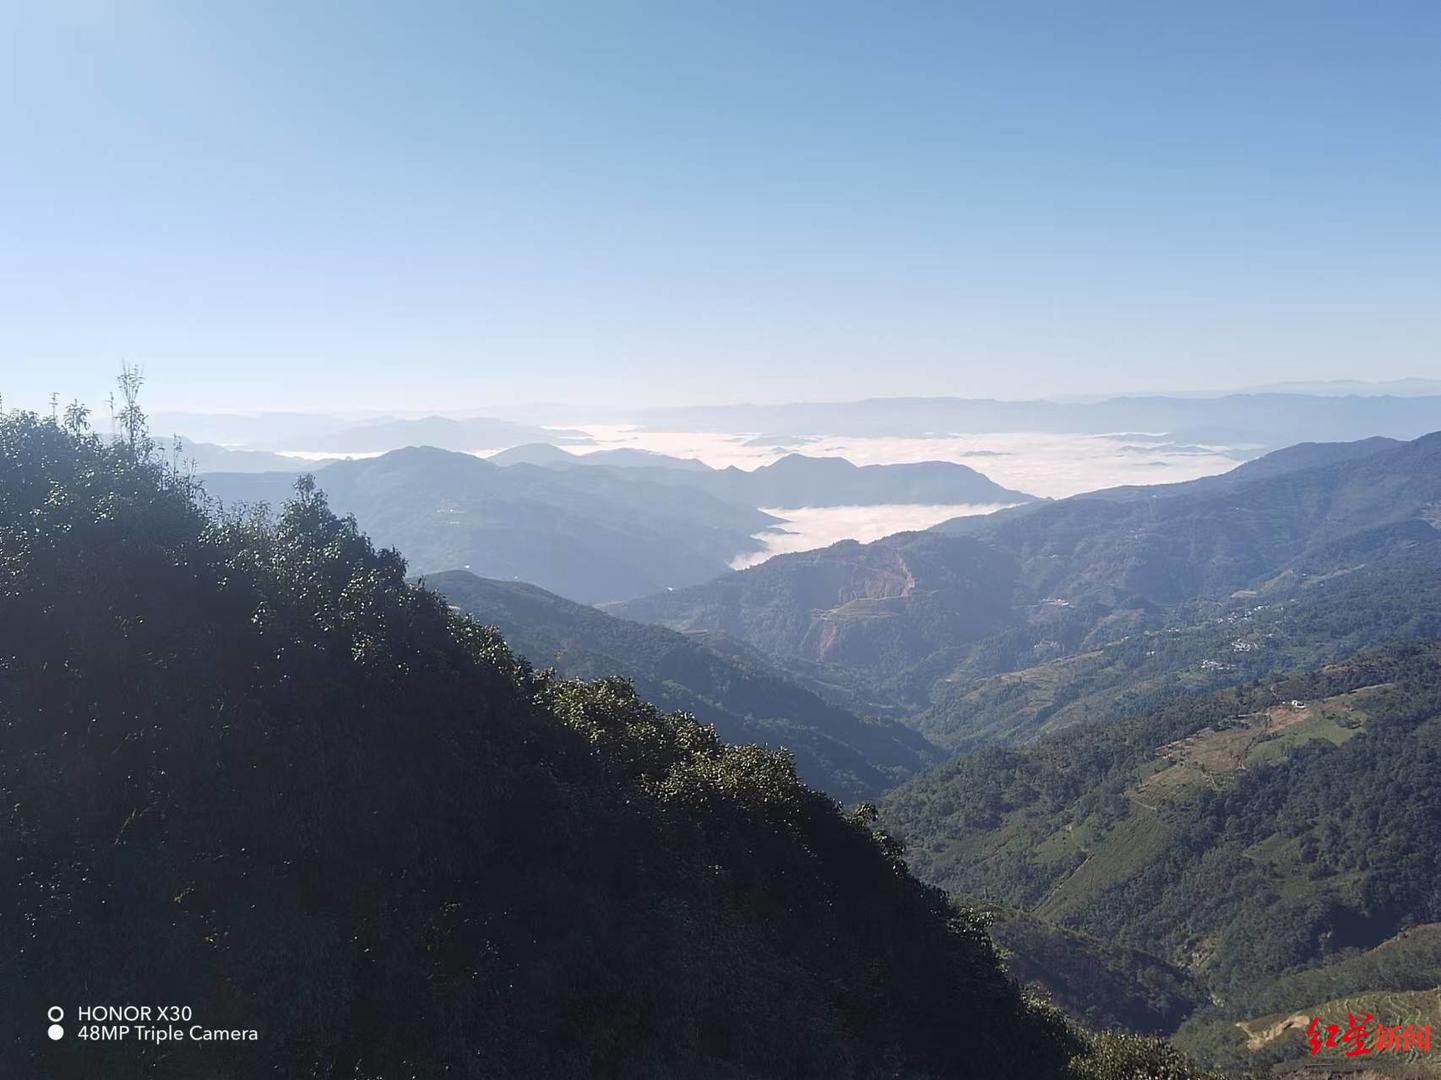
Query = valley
x=712 y=541
x=1111 y=728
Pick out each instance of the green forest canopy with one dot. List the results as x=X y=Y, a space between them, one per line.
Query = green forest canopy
x=248 y=764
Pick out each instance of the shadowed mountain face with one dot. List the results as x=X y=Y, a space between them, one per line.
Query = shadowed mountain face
x=588 y=534
x=248 y=761
x=1047 y=579
x=1103 y=984
x=746 y=699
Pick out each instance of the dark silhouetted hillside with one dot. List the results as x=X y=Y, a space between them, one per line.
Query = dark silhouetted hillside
x=247 y=768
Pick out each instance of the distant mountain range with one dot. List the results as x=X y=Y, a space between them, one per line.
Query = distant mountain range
x=542 y=453
x=255 y=431
x=795 y=480
x=798 y=480
x=915 y=613
x=593 y=531
x=1266 y=420
x=480 y=433
x=1355 y=388
x=186 y=455
x=748 y=699
x=591 y=534
x=1199 y=727
x=322 y=433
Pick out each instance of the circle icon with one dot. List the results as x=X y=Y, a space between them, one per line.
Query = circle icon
x=55 y=1012
x=56 y=1031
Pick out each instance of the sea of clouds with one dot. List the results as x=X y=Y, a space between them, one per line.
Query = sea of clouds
x=809 y=527
x=1044 y=464
x=1048 y=465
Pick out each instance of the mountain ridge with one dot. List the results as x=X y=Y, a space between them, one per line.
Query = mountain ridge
x=273 y=773
x=838 y=752
x=1049 y=578
x=596 y=534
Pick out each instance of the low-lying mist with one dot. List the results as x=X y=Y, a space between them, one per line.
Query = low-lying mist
x=809 y=527
x=1052 y=466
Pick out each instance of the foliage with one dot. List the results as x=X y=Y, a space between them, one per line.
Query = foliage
x=1100 y=984
x=1203 y=647
x=745 y=698
x=247 y=766
x=1123 y=1056
x=1151 y=832
x=1395 y=983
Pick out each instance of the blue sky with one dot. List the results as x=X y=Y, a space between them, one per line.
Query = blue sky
x=458 y=206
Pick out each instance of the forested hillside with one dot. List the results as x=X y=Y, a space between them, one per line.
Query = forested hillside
x=1239 y=835
x=891 y=614
x=1104 y=985
x=1034 y=607
x=249 y=768
x=1297 y=625
x=746 y=699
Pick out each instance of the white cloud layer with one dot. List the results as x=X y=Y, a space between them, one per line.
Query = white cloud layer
x=1050 y=465
x=811 y=527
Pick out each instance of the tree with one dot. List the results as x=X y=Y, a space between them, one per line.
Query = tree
x=132 y=419
x=77 y=418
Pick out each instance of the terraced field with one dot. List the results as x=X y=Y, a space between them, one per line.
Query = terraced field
x=1210 y=758
x=1213 y=756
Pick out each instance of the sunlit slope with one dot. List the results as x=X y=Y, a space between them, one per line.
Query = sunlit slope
x=1236 y=833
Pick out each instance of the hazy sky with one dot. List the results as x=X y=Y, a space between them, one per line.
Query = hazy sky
x=436 y=205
